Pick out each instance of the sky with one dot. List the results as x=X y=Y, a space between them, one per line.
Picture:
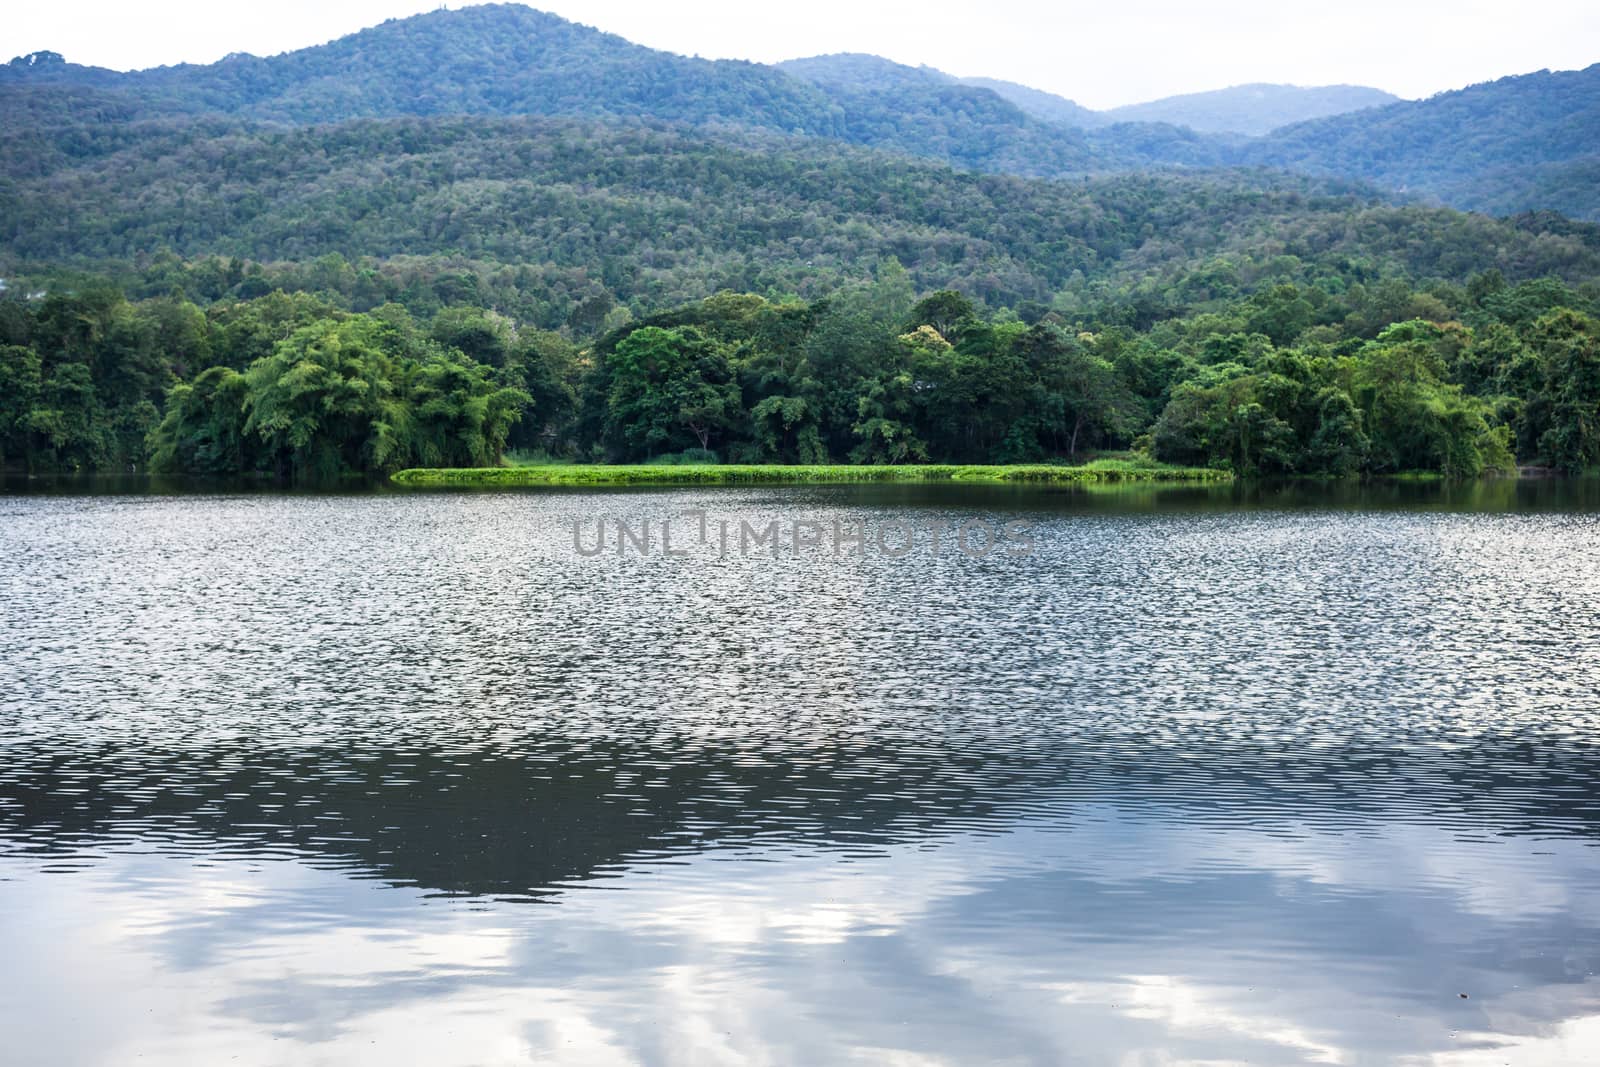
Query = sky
x=1101 y=55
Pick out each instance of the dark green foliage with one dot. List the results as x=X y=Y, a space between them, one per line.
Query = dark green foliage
x=21 y=383
x=1565 y=347
x=203 y=431
x=669 y=388
x=1414 y=419
x=340 y=395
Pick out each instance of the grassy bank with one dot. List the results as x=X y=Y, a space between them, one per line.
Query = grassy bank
x=1099 y=472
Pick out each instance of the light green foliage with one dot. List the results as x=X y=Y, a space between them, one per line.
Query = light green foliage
x=339 y=396
x=327 y=400
x=621 y=474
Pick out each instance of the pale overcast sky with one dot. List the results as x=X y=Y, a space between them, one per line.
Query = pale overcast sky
x=1101 y=55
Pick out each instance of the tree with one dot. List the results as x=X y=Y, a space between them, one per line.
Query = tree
x=947 y=312
x=326 y=402
x=20 y=386
x=1339 y=445
x=1413 y=419
x=786 y=430
x=882 y=428
x=1281 y=314
x=460 y=416
x=546 y=366
x=203 y=429
x=1568 y=345
x=1078 y=394
x=480 y=335
x=668 y=386
x=68 y=419
x=1219 y=425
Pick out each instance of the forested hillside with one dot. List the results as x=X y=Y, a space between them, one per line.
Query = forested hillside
x=494 y=59
x=506 y=59
x=1250 y=110
x=1515 y=145
x=542 y=215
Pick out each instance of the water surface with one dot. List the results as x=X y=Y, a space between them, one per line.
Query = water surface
x=1208 y=775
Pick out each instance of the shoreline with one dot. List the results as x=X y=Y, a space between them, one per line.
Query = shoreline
x=776 y=474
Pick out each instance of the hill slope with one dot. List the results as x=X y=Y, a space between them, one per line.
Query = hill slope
x=1517 y=144
x=860 y=71
x=548 y=213
x=1040 y=104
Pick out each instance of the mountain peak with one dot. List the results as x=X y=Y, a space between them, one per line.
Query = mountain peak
x=859 y=70
x=38 y=59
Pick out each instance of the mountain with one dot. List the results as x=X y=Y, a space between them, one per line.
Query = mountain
x=925 y=112
x=507 y=59
x=1252 y=110
x=494 y=59
x=1517 y=144
x=1006 y=129
x=478 y=210
x=859 y=72
x=1509 y=146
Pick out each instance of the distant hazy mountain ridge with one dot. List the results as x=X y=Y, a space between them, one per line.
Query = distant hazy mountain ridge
x=1253 y=110
x=1521 y=143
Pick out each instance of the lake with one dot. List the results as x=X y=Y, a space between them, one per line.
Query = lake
x=1164 y=775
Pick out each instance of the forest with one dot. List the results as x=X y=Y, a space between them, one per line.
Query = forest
x=539 y=218
x=1293 y=379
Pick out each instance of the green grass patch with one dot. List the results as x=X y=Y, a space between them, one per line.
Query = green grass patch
x=1098 y=472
